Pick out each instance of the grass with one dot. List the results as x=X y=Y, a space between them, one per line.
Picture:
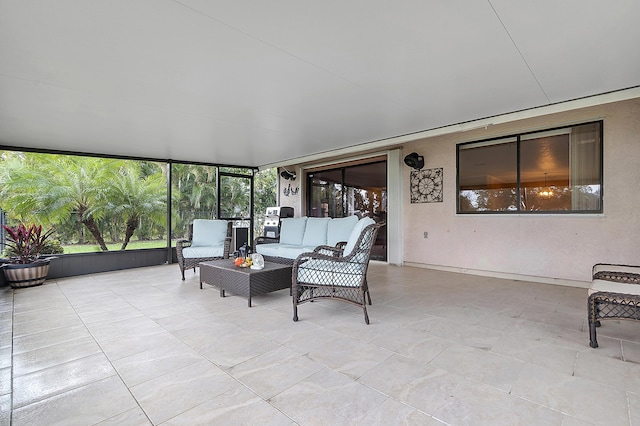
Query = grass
x=133 y=245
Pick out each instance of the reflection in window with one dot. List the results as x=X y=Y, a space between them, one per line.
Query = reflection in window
x=552 y=171
x=359 y=190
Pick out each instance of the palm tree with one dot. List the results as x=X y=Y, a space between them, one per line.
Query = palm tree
x=193 y=195
x=134 y=196
x=50 y=188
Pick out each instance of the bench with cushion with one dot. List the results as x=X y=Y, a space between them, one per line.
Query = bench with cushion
x=614 y=294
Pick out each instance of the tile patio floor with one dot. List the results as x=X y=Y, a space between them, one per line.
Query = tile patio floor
x=141 y=347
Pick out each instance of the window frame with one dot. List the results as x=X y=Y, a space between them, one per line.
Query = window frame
x=523 y=136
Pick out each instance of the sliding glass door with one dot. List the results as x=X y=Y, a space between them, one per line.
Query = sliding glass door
x=359 y=190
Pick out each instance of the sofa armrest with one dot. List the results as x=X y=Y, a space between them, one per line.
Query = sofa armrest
x=329 y=250
x=227 y=248
x=183 y=243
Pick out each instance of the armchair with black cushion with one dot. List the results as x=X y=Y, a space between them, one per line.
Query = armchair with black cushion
x=338 y=273
x=208 y=240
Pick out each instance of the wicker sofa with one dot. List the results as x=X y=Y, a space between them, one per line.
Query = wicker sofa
x=303 y=234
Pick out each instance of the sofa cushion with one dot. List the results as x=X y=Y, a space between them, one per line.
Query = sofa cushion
x=614 y=287
x=203 y=251
x=287 y=251
x=270 y=249
x=321 y=272
x=339 y=229
x=355 y=234
x=292 y=230
x=315 y=232
x=209 y=233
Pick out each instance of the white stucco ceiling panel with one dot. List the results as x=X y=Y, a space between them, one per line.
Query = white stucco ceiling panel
x=576 y=48
x=413 y=54
x=257 y=82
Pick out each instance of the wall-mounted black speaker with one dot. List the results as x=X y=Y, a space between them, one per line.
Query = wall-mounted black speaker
x=286 y=174
x=414 y=161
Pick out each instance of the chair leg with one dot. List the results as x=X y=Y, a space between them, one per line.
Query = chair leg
x=182 y=271
x=294 y=292
x=366 y=290
x=593 y=342
x=363 y=297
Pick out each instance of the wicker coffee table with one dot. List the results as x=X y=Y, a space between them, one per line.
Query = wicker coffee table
x=247 y=282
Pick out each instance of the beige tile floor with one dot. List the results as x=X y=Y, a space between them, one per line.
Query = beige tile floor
x=141 y=347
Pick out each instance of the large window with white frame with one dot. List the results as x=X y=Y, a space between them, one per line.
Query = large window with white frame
x=553 y=171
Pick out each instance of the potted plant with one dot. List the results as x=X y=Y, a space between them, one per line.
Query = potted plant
x=25 y=244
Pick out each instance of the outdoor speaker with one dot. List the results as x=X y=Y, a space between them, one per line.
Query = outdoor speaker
x=414 y=161
x=288 y=175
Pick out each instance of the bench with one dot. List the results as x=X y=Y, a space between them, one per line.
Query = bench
x=614 y=294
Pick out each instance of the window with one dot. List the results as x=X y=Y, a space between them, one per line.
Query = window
x=111 y=204
x=555 y=171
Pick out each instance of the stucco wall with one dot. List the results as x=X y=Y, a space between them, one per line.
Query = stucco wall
x=547 y=248
x=290 y=191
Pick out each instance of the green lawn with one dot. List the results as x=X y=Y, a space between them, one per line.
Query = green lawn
x=88 y=248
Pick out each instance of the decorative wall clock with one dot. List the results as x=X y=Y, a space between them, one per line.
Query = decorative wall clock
x=426 y=186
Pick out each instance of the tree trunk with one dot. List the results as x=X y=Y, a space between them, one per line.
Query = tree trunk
x=93 y=228
x=132 y=225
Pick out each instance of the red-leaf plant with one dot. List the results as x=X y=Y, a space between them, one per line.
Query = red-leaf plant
x=26 y=242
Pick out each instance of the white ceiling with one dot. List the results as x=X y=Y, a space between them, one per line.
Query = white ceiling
x=254 y=82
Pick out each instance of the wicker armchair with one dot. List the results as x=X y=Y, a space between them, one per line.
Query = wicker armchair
x=614 y=294
x=336 y=273
x=208 y=240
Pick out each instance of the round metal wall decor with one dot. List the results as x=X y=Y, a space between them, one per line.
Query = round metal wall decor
x=426 y=186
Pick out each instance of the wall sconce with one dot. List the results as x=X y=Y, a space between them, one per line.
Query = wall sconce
x=286 y=174
x=414 y=161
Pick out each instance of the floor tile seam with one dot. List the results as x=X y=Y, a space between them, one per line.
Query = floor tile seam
x=510 y=394
x=236 y=379
x=213 y=398
x=89 y=384
x=140 y=405
x=60 y=363
x=161 y=374
x=349 y=378
x=11 y=407
x=109 y=360
x=629 y=409
x=62 y=342
x=269 y=400
x=608 y=385
x=407 y=357
x=578 y=415
x=522 y=365
x=406 y=404
x=564 y=413
x=227 y=371
x=62 y=391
